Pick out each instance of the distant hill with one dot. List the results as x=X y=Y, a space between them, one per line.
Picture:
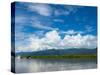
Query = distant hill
x=60 y=52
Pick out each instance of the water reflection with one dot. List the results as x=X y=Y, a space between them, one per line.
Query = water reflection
x=43 y=65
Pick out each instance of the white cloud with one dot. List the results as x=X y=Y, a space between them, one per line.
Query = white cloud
x=71 y=32
x=61 y=12
x=39 y=25
x=52 y=40
x=42 y=9
x=79 y=41
x=52 y=36
x=68 y=10
x=49 y=41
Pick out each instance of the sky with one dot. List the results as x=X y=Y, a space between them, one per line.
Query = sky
x=54 y=26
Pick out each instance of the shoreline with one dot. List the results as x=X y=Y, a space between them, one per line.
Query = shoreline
x=70 y=56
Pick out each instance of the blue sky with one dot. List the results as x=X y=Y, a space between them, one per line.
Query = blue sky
x=34 y=20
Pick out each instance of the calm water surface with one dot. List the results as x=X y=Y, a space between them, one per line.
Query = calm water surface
x=43 y=65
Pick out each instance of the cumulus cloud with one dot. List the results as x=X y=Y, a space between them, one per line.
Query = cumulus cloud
x=52 y=40
x=79 y=41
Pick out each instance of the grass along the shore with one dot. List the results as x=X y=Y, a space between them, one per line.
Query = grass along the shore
x=70 y=56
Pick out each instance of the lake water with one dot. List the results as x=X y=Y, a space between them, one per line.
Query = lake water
x=44 y=65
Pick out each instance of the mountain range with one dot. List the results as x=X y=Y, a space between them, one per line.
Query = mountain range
x=59 y=52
